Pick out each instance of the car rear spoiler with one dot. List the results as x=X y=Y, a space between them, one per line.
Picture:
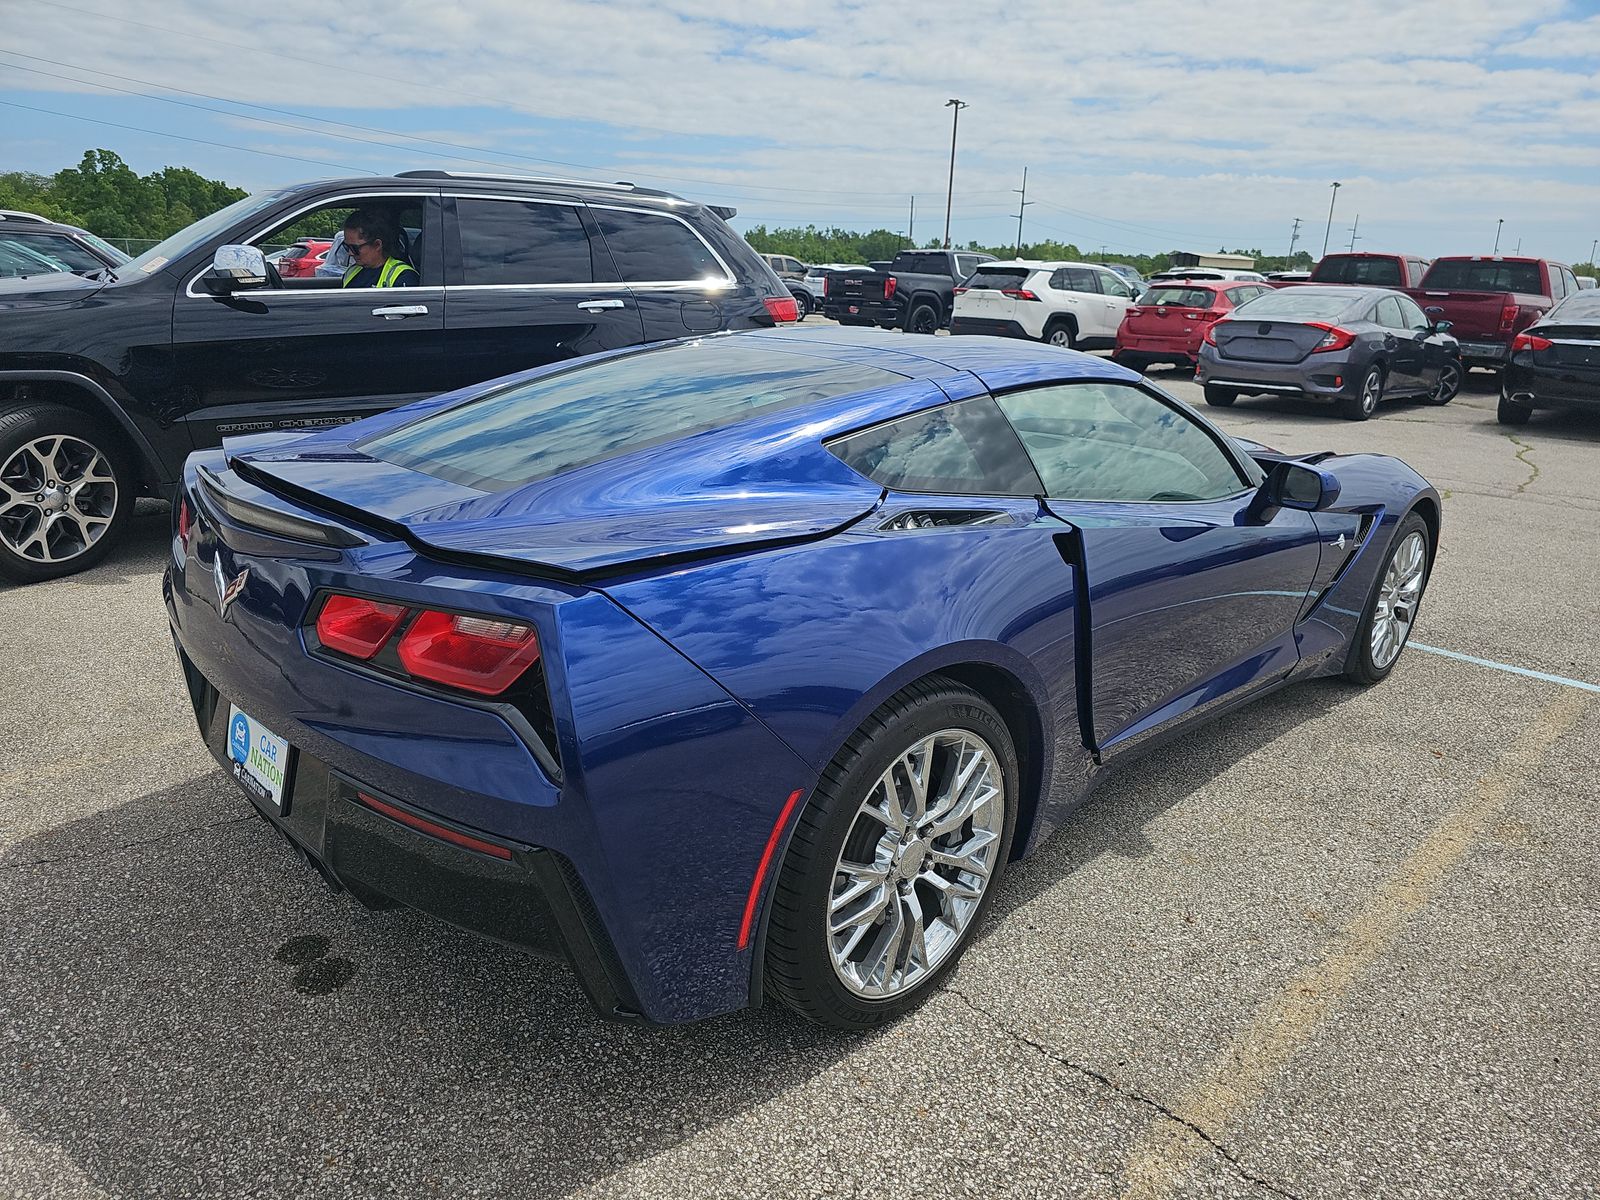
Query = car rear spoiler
x=723 y=211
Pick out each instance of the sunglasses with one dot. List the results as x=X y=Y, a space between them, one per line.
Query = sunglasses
x=355 y=247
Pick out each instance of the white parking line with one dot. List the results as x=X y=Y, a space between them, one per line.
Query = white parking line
x=1500 y=666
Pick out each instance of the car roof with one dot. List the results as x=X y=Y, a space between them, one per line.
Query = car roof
x=597 y=190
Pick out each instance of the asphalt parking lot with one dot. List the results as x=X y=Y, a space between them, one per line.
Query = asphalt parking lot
x=1342 y=943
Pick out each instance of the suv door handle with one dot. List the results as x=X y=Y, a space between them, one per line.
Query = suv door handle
x=399 y=312
x=598 y=305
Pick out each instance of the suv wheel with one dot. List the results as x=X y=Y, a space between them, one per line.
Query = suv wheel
x=924 y=318
x=893 y=861
x=1061 y=333
x=66 y=493
x=1365 y=402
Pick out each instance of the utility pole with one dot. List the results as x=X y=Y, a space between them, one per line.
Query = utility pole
x=1294 y=236
x=1497 y=225
x=1329 y=231
x=1592 y=247
x=950 y=193
x=1021 y=208
x=1518 y=250
x=1354 y=237
x=911 y=225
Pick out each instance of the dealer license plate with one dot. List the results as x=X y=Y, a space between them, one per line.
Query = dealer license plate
x=260 y=758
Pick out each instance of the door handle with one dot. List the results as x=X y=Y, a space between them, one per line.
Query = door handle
x=399 y=312
x=598 y=305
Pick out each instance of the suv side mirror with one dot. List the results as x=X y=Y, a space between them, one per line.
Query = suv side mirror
x=234 y=267
x=1295 y=485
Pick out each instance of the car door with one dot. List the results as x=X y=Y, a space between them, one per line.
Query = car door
x=1118 y=295
x=305 y=353
x=528 y=284
x=1407 y=352
x=1436 y=349
x=1094 y=307
x=1191 y=599
x=680 y=284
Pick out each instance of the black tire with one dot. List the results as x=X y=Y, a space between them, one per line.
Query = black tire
x=1450 y=377
x=1061 y=332
x=922 y=319
x=1360 y=666
x=1509 y=413
x=22 y=559
x=1220 y=397
x=1367 y=398
x=799 y=965
x=1134 y=362
x=804 y=303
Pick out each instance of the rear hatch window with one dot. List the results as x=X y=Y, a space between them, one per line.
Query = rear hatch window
x=1467 y=275
x=592 y=413
x=1354 y=268
x=1181 y=297
x=997 y=279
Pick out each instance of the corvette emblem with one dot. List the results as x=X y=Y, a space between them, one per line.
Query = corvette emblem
x=227 y=591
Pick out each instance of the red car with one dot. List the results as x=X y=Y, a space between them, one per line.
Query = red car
x=1171 y=318
x=300 y=261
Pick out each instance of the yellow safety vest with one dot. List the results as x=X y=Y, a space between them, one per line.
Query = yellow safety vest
x=386 y=276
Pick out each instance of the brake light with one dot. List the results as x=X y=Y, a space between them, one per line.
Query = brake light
x=477 y=654
x=1018 y=293
x=1133 y=310
x=1508 y=317
x=183 y=523
x=827 y=285
x=1210 y=335
x=960 y=291
x=1334 y=338
x=787 y=309
x=356 y=626
x=888 y=287
x=1530 y=341
x=1209 y=314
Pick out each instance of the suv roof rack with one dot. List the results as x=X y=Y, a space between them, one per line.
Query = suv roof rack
x=433 y=173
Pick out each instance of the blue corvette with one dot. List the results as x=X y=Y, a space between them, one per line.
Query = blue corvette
x=742 y=666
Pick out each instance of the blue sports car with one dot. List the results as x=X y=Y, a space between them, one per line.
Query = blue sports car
x=742 y=666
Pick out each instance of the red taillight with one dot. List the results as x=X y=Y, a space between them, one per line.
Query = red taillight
x=1334 y=338
x=1530 y=341
x=356 y=626
x=960 y=291
x=827 y=285
x=1133 y=310
x=1508 y=317
x=888 y=287
x=1018 y=293
x=477 y=654
x=183 y=522
x=1210 y=335
x=1210 y=314
x=787 y=309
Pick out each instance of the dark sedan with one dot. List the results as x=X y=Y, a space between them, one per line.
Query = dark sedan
x=1355 y=346
x=1555 y=361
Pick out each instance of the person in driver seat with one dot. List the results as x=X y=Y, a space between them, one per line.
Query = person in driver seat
x=371 y=239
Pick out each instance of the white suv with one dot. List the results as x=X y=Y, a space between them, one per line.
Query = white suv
x=1072 y=304
x=1232 y=274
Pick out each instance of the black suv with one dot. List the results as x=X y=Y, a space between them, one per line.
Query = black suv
x=35 y=245
x=109 y=380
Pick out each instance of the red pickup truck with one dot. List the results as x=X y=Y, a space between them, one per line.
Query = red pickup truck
x=1370 y=270
x=1488 y=300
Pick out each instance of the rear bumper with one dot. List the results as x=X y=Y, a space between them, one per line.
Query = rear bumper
x=1536 y=387
x=983 y=325
x=878 y=312
x=1175 y=348
x=1329 y=375
x=1477 y=353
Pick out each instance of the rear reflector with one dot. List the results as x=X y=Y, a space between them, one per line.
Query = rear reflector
x=761 y=868
x=476 y=654
x=357 y=626
x=1530 y=341
x=787 y=309
x=443 y=832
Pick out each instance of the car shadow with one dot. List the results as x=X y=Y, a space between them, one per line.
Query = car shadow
x=189 y=1007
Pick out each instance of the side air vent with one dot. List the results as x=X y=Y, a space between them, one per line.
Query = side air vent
x=934 y=518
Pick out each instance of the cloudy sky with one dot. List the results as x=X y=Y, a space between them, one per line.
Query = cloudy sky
x=1145 y=125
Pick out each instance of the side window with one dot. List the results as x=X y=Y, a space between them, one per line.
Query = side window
x=963 y=449
x=1109 y=441
x=59 y=250
x=1058 y=279
x=403 y=214
x=1112 y=284
x=966 y=264
x=1388 y=314
x=1080 y=279
x=654 y=249
x=514 y=241
x=1414 y=318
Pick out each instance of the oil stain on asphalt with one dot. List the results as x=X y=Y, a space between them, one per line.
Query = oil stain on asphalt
x=319 y=972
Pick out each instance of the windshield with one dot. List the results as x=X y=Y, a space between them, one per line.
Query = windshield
x=105 y=247
x=1484 y=275
x=591 y=413
x=191 y=237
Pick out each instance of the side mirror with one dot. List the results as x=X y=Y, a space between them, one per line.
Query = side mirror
x=1443 y=326
x=235 y=267
x=1295 y=485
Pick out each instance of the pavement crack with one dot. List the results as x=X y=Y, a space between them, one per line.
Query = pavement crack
x=1139 y=1098
x=1524 y=449
x=100 y=852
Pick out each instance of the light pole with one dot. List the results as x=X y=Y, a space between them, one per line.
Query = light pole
x=1354 y=236
x=1021 y=208
x=950 y=194
x=1497 y=225
x=1329 y=232
x=1592 y=246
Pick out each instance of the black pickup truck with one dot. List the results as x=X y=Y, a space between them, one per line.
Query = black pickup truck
x=109 y=379
x=915 y=294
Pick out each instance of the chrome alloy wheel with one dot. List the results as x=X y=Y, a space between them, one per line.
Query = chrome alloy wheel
x=915 y=864
x=1449 y=383
x=58 y=496
x=1371 y=390
x=1397 y=600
